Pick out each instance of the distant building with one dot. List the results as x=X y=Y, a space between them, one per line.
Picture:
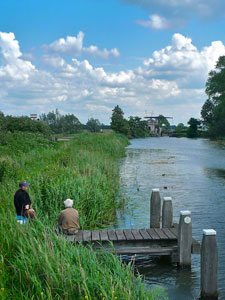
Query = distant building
x=33 y=116
x=154 y=127
x=154 y=124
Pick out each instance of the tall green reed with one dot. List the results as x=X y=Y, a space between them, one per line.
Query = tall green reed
x=34 y=263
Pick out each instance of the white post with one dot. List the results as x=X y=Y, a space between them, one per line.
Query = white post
x=185 y=238
x=209 y=265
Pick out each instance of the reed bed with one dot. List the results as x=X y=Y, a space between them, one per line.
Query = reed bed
x=34 y=262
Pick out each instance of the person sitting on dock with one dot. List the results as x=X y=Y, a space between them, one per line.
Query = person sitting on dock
x=22 y=203
x=68 y=222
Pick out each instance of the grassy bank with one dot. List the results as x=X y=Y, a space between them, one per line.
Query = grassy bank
x=34 y=263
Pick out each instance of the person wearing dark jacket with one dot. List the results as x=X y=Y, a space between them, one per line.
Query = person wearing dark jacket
x=22 y=201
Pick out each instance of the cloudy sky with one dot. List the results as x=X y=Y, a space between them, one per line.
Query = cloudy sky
x=86 y=56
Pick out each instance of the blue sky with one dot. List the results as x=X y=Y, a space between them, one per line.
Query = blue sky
x=85 y=57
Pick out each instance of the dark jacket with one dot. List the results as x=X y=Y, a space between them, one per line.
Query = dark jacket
x=21 y=199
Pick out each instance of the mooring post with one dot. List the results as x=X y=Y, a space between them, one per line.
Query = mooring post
x=185 y=238
x=167 y=213
x=155 y=209
x=209 y=265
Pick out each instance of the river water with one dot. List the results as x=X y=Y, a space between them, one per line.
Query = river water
x=192 y=172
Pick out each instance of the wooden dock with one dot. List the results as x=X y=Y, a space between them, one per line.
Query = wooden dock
x=172 y=240
x=150 y=241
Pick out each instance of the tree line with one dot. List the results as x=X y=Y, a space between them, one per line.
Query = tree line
x=47 y=124
x=56 y=123
x=213 y=110
x=212 y=122
x=134 y=127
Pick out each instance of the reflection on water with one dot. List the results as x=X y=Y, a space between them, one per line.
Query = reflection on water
x=192 y=172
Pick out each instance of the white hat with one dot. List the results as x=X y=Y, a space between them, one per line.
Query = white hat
x=68 y=203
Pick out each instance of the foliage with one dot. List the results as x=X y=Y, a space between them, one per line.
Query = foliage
x=93 y=125
x=213 y=110
x=118 y=123
x=163 y=122
x=192 y=131
x=133 y=128
x=137 y=127
x=25 y=124
x=34 y=263
x=62 y=123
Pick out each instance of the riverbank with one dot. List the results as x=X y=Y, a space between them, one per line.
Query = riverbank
x=34 y=263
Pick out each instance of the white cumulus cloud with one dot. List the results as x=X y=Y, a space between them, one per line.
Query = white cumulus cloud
x=13 y=66
x=156 y=22
x=73 y=45
x=182 y=61
x=165 y=83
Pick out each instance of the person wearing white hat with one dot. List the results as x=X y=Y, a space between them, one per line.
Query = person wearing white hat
x=68 y=221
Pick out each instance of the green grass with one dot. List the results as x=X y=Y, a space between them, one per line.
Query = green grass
x=34 y=263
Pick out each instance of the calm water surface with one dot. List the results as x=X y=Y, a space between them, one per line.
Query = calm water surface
x=192 y=172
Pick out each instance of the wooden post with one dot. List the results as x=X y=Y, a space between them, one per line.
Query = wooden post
x=209 y=265
x=167 y=213
x=185 y=238
x=155 y=209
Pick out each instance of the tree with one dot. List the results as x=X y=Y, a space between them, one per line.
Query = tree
x=163 y=122
x=62 y=123
x=213 y=110
x=93 y=125
x=118 y=123
x=192 y=131
x=1 y=120
x=137 y=127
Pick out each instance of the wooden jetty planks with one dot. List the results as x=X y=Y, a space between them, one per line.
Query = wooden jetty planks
x=112 y=235
x=169 y=233
x=156 y=251
x=161 y=234
x=174 y=231
x=145 y=234
x=86 y=235
x=120 y=235
x=79 y=236
x=128 y=234
x=153 y=234
x=95 y=236
x=104 y=235
x=137 y=234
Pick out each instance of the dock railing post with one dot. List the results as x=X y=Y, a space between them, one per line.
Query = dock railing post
x=209 y=265
x=167 y=213
x=155 y=209
x=185 y=238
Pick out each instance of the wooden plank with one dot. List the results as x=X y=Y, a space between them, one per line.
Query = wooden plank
x=145 y=235
x=153 y=234
x=95 y=236
x=174 y=231
x=137 y=234
x=104 y=235
x=120 y=235
x=86 y=235
x=161 y=234
x=157 y=251
x=170 y=235
x=128 y=234
x=79 y=236
x=112 y=235
x=70 y=238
